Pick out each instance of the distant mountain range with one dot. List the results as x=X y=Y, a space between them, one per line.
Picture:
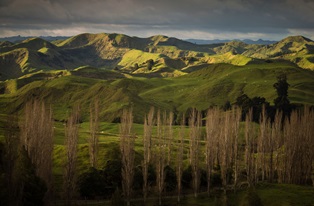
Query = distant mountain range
x=218 y=41
x=16 y=39
x=167 y=56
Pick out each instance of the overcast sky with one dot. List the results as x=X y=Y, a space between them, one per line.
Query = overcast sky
x=202 y=19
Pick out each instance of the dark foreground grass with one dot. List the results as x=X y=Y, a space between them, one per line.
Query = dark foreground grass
x=265 y=194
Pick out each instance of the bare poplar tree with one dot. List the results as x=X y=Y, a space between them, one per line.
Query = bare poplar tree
x=94 y=129
x=195 y=124
x=294 y=160
x=169 y=136
x=298 y=136
x=212 y=135
x=147 y=138
x=127 y=152
x=225 y=149
x=37 y=138
x=270 y=146
x=308 y=132
x=235 y=124
x=262 y=143
x=293 y=156
x=179 y=162
x=222 y=139
x=160 y=154
x=249 y=149
x=11 y=145
x=277 y=136
x=71 y=142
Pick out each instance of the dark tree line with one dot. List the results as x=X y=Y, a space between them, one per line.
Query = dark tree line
x=281 y=102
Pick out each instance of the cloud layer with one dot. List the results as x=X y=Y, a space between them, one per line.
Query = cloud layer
x=271 y=19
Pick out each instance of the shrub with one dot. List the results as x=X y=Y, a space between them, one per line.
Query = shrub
x=92 y=183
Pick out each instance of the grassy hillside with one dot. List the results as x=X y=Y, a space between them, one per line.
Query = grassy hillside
x=205 y=86
x=297 y=49
x=133 y=57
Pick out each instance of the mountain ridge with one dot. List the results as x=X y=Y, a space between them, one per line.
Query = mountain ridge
x=219 y=41
x=109 y=50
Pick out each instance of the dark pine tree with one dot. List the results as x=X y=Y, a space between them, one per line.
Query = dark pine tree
x=282 y=102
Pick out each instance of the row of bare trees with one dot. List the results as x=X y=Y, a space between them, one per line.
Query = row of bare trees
x=37 y=139
x=32 y=137
x=278 y=150
x=37 y=132
x=285 y=147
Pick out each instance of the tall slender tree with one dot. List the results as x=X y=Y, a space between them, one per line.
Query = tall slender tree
x=195 y=133
x=160 y=154
x=94 y=129
x=262 y=143
x=179 y=161
x=71 y=142
x=235 y=124
x=249 y=149
x=308 y=132
x=147 y=138
x=226 y=152
x=127 y=140
x=169 y=136
x=277 y=136
x=212 y=134
x=282 y=102
x=10 y=155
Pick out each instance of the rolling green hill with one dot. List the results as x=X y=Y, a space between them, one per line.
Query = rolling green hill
x=206 y=86
x=297 y=49
x=118 y=51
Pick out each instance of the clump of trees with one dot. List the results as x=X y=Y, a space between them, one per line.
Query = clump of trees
x=150 y=63
x=26 y=156
x=256 y=104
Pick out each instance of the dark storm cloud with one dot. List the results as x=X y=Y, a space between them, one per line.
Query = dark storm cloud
x=242 y=16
